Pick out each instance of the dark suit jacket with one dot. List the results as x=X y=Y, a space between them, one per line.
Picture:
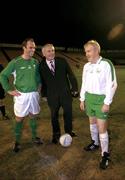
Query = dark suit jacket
x=59 y=85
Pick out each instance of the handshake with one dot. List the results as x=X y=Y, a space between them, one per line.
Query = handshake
x=75 y=94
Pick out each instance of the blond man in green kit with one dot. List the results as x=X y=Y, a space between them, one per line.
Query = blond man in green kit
x=97 y=90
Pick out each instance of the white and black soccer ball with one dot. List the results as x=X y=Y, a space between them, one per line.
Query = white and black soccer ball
x=65 y=140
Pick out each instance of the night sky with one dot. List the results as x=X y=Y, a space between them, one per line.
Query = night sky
x=65 y=23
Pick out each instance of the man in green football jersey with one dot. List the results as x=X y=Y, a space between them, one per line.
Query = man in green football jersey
x=25 y=90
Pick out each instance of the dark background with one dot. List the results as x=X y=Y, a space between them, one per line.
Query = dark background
x=64 y=23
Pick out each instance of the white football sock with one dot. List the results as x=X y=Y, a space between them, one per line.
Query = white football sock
x=104 y=141
x=94 y=133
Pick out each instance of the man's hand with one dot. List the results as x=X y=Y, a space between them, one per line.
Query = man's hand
x=82 y=105
x=105 y=108
x=14 y=93
x=75 y=94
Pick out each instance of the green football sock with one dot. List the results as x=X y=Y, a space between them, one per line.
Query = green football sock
x=18 y=131
x=33 y=126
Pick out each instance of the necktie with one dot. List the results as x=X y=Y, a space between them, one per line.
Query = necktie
x=52 y=68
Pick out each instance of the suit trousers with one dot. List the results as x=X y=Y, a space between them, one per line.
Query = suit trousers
x=66 y=105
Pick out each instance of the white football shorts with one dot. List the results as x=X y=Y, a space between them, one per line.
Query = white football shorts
x=26 y=103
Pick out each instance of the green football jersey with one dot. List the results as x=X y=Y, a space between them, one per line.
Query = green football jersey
x=25 y=72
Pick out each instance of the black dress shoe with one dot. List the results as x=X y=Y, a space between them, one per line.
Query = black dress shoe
x=55 y=138
x=72 y=134
x=55 y=141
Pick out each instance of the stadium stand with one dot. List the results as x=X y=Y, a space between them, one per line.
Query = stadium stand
x=74 y=56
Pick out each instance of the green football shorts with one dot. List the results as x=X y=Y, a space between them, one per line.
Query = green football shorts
x=93 y=105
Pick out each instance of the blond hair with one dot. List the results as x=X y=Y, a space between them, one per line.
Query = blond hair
x=94 y=43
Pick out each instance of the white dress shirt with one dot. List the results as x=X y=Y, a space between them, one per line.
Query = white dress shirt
x=99 y=78
x=49 y=64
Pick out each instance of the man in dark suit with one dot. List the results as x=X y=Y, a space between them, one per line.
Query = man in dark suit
x=59 y=84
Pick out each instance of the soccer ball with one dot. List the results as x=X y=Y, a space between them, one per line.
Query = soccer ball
x=65 y=140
